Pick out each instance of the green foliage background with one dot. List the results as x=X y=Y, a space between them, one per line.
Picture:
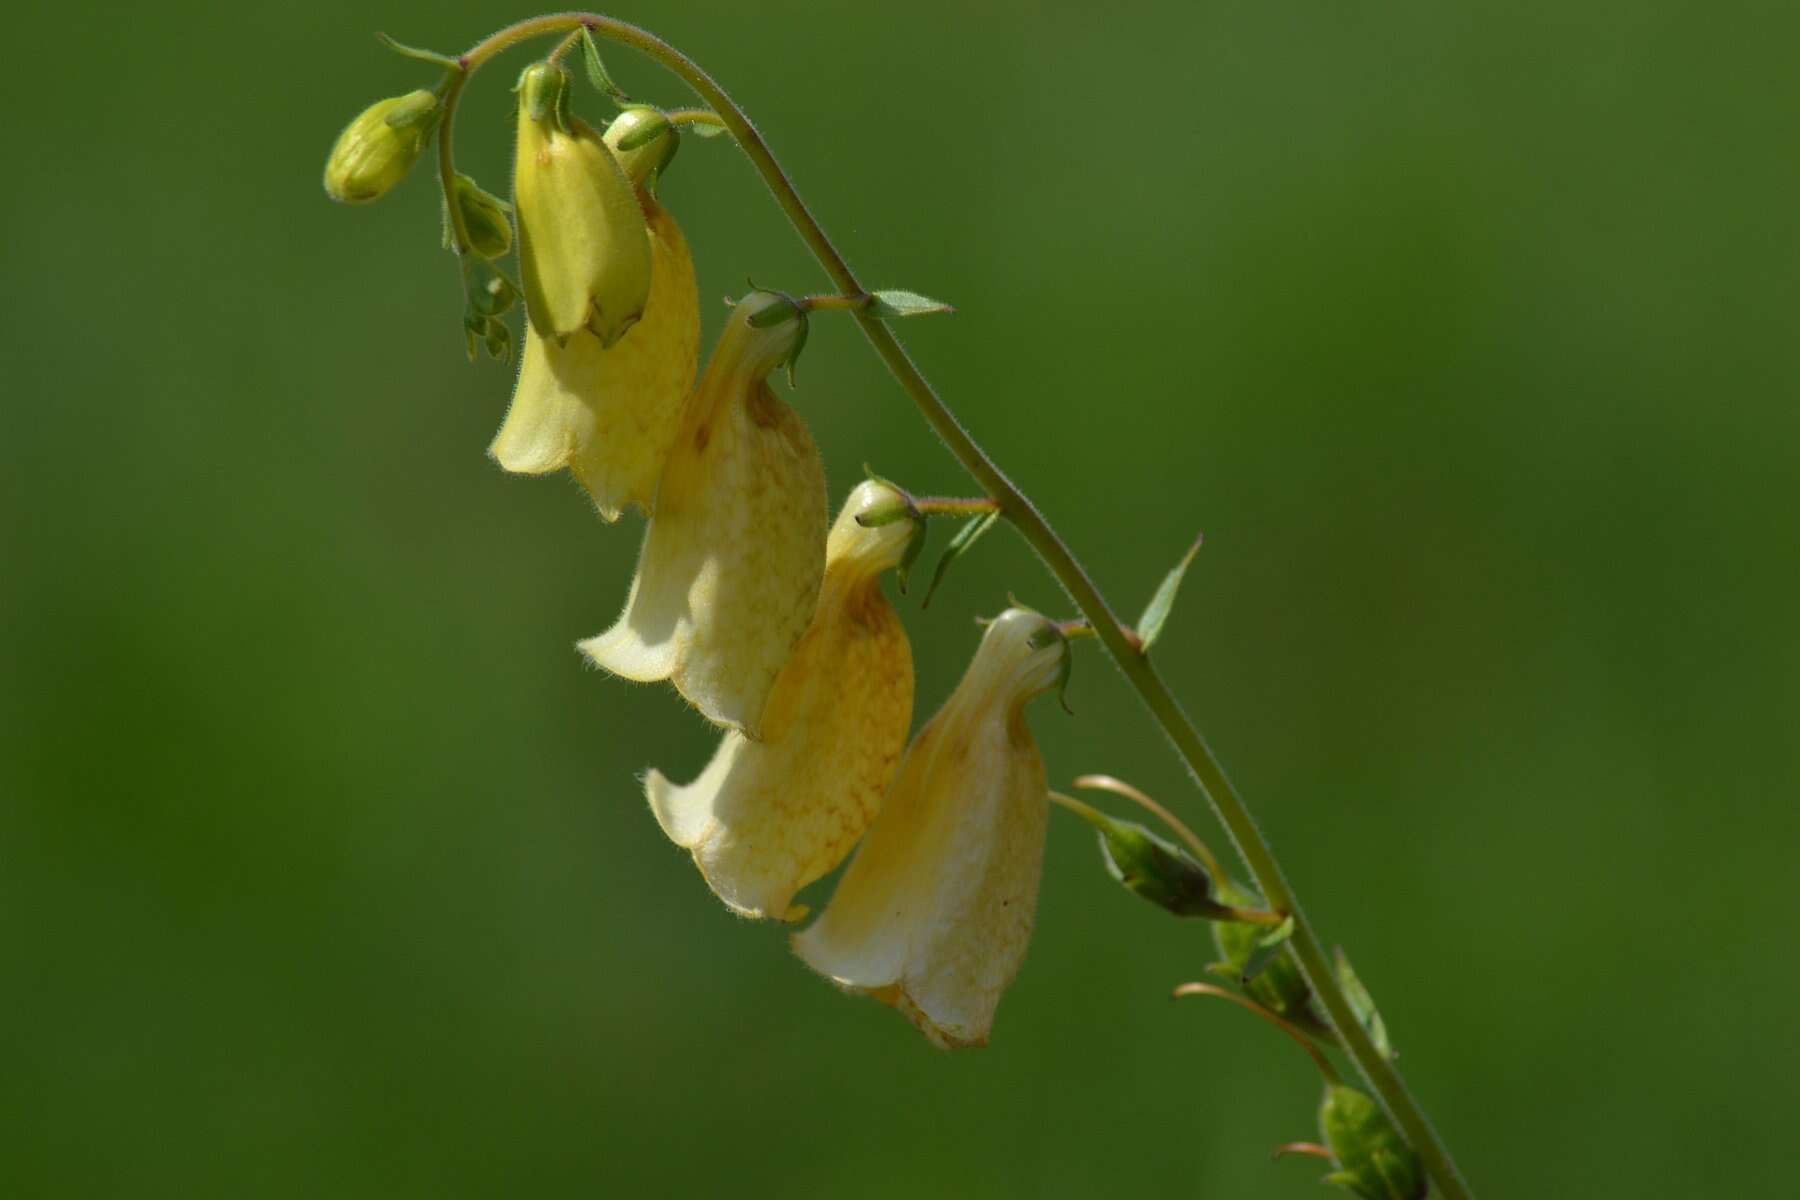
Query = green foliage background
x=1466 y=333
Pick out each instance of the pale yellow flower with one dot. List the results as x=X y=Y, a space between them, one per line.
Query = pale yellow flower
x=934 y=912
x=584 y=247
x=767 y=818
x=729 y=574
x=610 y=413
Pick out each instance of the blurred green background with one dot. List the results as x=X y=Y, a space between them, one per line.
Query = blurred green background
x=1466 y=333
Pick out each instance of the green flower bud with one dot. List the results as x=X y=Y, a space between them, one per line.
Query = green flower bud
x=1373 y=1160
x=486 y=218
x=1159 y=871
x=376 y=150
x=1278 y=986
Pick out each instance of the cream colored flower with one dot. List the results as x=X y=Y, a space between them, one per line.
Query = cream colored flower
x=733 y=557
x=767 y=818
x=610 y=413
x=584 y=249
x=935 y=910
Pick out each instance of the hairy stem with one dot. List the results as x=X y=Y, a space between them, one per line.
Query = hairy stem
x=1124 y=648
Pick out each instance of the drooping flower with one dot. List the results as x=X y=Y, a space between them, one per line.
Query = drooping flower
x=611 y=413
x=934 y=912
x=376 y=150
x=584 y=249
x=764 y=819
x=734 y=554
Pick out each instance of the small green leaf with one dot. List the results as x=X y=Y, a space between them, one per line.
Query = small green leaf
x=1156 y=613
x=959 y=546
x=1364 y=1005
x=596 y=69
x=893 y=303
x=447 y=61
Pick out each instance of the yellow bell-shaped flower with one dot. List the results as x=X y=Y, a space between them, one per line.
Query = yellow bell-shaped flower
x=934 y=912
x=767 y=818
x=584 y=248
x=610 y=413
x=729 y=575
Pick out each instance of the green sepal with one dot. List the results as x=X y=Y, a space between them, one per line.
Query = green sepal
x=486 y=217
x=957 y=547
x=1269 y=944
x=1048 y=636
x=1148 y=866
x=419 y=114
x=646 y=133
x=891 y=303
x=1373 y=1160
x=1274 y=980
x=900 y=510
x=596 y=69
x=784 y=308
x=772 y=314
x=1363 y=1005
x=1156 y=613
x=447 y=61
x=914 y=544
x=800 y=337
x=543 y=89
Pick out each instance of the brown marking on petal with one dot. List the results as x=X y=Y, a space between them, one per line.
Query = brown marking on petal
x=763 y=407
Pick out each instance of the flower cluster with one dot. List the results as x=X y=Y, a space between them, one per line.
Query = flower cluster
x=772 y=625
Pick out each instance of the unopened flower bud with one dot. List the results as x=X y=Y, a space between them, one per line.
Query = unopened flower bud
x=584 y=248
x=1279 y=985
x=1159 y=871
x=1373 y=1160
x=376 y=150
x=643 y=140
x=487 y=219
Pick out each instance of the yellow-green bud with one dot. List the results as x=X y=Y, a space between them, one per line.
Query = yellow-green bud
x=487 y=219
x=643 y=141
x=376 y=150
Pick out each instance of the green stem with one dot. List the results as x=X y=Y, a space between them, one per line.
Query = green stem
x=1258 y=856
